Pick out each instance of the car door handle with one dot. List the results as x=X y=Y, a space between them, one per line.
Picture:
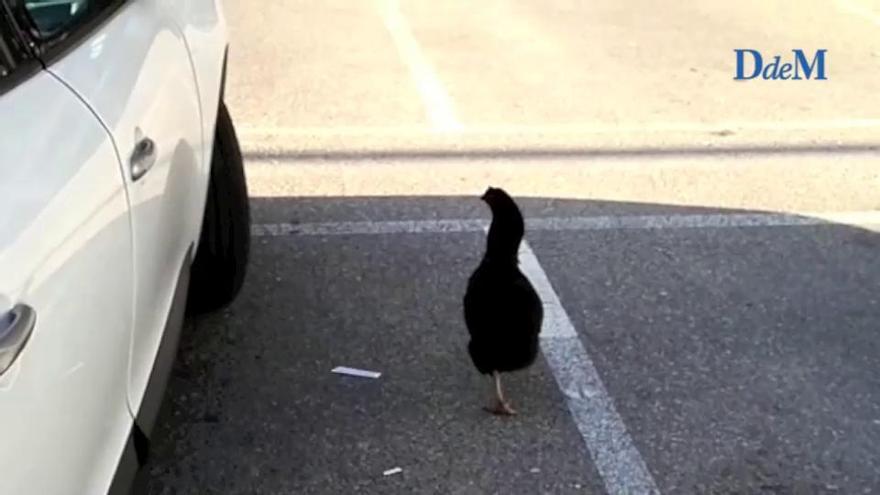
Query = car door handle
x=142 y=158
x=16 y=327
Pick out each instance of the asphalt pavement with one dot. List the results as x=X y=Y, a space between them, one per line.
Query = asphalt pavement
x=711 y=245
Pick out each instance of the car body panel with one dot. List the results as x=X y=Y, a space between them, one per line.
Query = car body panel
x=205 y=30
x=103 y=258
x=65 y=250
x=137 y=446
x=135 y=73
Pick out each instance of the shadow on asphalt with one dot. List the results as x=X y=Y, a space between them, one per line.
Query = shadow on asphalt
x=742 y=360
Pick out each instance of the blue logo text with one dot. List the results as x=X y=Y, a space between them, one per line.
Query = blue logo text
x=750 y=64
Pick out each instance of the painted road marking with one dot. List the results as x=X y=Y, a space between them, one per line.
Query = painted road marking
x=434 y=97
x=614 y=454
x=865 y=219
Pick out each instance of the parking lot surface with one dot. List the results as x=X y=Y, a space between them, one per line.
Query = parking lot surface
x=710 y=253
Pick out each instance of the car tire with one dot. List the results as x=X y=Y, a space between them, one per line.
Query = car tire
x=219 y=267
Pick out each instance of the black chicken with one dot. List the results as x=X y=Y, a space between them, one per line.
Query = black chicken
x=502 y=311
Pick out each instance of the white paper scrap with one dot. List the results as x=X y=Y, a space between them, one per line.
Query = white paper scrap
x=391 y=471
x=345 y=370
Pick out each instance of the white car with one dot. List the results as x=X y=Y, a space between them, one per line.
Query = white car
x=122 y=204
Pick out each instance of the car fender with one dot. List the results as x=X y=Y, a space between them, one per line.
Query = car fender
x=205 y=31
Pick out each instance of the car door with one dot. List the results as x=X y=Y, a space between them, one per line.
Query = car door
x=134 y=71
x=65 y=285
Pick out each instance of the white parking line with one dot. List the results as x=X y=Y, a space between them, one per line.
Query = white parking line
x=864 y=219
x=434 y=97
x=615 y=456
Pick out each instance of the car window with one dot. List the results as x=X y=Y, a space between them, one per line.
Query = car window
x=52 y=18
x=7 y=59
x=16 y=60
x=53 y=26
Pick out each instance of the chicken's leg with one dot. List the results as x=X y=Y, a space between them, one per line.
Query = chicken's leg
x=500 y=406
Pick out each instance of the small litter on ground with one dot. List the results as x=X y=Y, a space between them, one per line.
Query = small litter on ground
x=389 y=472
x=345 y=370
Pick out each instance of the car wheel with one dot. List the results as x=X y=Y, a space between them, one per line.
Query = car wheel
x=221 y=260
